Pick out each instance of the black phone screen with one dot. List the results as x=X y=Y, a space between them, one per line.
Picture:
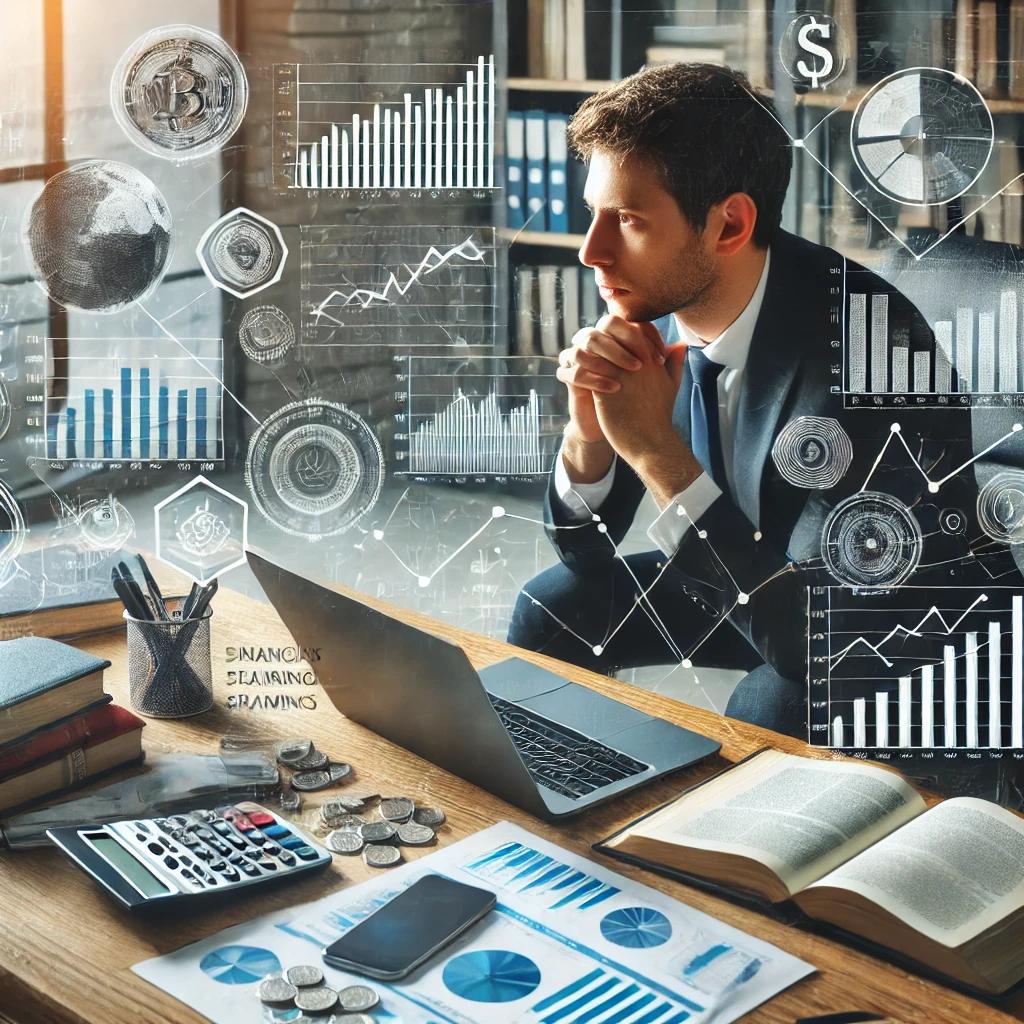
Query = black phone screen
x=416 y=923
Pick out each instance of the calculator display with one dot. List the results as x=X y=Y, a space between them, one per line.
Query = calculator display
x=133 y=869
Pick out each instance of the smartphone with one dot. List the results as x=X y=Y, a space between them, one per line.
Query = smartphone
x=393 y=941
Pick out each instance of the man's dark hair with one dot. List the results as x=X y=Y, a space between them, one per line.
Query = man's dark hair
x=704 y=128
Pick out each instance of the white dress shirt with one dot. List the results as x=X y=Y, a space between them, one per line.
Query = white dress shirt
x=730 y=349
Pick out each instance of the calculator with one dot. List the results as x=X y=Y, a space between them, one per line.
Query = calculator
x=144 y=862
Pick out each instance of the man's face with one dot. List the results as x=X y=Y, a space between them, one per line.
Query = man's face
x=647 y=258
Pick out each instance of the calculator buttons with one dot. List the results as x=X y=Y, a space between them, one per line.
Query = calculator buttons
x=272 y=848
x=250 y=869
x=293 y=842
x=286 y=858
x=276 y=832
x=254 y=854
x=306 y=853
x=155 y=848
x=171 y=862
x=237 y=842
x=261 y=818
x=257 y=838
x=222 y=848
x=268 y=865
x=222 y=827
x=217 y=865
x=230 y=874
x=203 y=853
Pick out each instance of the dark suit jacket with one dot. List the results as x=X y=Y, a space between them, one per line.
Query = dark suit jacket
x=789 y=373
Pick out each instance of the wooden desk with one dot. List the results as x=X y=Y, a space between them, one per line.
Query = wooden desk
x=66 y=949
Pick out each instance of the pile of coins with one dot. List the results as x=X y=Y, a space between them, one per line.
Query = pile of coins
x=311 y=769
x=399 y=823
x=303 y=987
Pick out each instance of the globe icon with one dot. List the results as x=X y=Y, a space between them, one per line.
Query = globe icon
x=100 y=236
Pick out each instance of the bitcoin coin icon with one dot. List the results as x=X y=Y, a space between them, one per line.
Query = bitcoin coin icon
x=812 y=51
x=179 y=92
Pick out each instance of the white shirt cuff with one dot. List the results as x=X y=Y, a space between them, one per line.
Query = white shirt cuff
x=582 y=499
x=668 y=530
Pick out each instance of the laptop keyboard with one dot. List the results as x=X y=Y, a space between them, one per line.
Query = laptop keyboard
x=560 y=759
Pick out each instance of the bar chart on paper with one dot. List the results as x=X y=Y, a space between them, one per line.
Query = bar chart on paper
x=974 y=360
x=484 y=416
x=135 y=399
x=385 y=126
x=919 y=667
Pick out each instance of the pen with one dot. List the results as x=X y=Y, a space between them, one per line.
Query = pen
x=154 y=590
x=136 y=590
x=135 y=608
x=204 y=600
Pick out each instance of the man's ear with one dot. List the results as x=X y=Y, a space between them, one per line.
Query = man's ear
x=735 y=218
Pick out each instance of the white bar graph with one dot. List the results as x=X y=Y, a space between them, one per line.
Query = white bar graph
x=436 y=136
x=1017 y=675
x=860 y=722
x=905 y=712
x=971 y=690
x=949 y=695
x=927 y=706
x=881 y=719
x=995 y=707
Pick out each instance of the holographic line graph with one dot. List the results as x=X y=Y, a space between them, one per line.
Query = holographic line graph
x=365 y=297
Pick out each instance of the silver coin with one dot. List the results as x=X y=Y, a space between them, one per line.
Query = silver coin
x=349 y=803
x=381 y=856
x=415 y=835
x=344 y=842
x=357 y=998
x=378 y=831
x=345 y=822
x=276 y=990
x=339 y=770
x=432 y=817
x=316 y=999
x=314 y=761
x=396 y=808
x=290 y=751
x=308 y=781
x=305 y=975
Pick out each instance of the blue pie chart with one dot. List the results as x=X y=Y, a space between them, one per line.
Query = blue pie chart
x=636 y=927
x=491 y=976
x=239 y=965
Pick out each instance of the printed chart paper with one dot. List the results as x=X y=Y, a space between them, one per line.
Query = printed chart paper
x=568 y=943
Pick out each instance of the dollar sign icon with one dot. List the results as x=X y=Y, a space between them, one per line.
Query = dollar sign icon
x=812 y=72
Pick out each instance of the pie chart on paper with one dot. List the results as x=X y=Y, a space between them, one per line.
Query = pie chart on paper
x=922 y=136
x=491 y=976
x=239 y=965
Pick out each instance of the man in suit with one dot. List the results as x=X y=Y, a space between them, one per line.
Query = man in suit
x=688 y=169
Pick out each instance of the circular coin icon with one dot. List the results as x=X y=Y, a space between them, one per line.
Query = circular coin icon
x=316 y=1000
x=304 y=975
x=381 y=856
x=357 y=998
x=276 y=990
x=179 y=92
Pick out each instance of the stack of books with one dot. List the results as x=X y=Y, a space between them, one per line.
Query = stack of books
x=58 y=729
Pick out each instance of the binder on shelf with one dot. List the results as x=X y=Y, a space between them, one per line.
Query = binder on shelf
x=536 y=152
x=558 y=187
x=575 y=40
x=554 y=38
x=515 y=169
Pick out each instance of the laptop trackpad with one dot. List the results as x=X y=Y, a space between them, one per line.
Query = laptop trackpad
x=584 y=711
x=516 y=680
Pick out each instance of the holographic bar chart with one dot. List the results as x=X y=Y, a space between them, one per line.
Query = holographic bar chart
x=132 y=399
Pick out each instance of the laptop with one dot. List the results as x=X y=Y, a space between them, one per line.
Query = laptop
x=549 y=746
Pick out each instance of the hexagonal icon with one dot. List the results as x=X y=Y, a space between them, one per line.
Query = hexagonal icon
x=202 y=530
x=243 y=253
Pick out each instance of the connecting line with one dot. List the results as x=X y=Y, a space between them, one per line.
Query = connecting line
x=799 y=144
x=933 y=485
x=192 y=302
x=200 y=364
x=898 y=629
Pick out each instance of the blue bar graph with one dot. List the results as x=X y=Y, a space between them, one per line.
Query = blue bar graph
x=71 y=444
x=163 y=423
x=201 y=423
x=144 y=412
x=600 y=993
x=141 y=399
x=126 y=413
x=182 y=424
x=90 y=423
x=108 y=423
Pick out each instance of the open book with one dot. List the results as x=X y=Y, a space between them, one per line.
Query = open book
x=855 y=846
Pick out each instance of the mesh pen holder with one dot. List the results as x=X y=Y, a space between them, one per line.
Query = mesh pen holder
x=169 y=669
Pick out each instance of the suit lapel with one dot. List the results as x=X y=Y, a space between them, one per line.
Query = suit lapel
x=771 y=368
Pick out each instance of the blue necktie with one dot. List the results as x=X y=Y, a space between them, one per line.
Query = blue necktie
x=705 y=435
